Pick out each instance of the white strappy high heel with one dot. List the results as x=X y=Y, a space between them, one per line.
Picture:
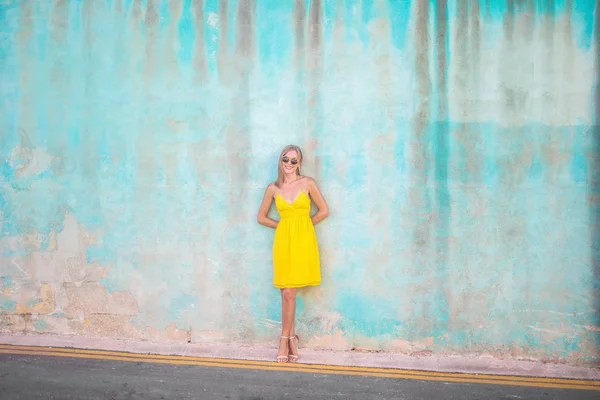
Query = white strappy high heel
x=282 y=359
x=293 y=357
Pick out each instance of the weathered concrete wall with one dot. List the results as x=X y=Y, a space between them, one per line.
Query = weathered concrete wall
x=457 y=147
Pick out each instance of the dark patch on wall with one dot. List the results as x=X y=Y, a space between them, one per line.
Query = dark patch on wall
x=59 y=26
x=559 y=151
x=238 y=132
x=442 y=155
x=315 y=32
x=570 y=46
x=299 y=62
x=147 y=171
x=380 y=45
x=419 y=196
x=597 y=94
x=512 y=98
x=423 y=87
x=238 y=143
x=57 y=80
x=245 y=54
x=175 y=11
x=169 y=76
x=245 y=38
x=26 y=124
x=531 y=17
x=594 y=174
x=475 y=46
x=172 y=42
x=133 y=43
x=223 y=62
x=461 y=52
x=315 y=70
x=135 y=15
x=338 y=30
x=463 y=81
x=547 y=33
x=475 y=28
x=442 y=59
x=89 y=136
x=299 y=31
x=472 y=139
x=151 y=20
x=25 y=31
x=169 y=73
x=59 y=11
x=87 y=19
x=199 y=61
x=121 y=54
x=442 y=148
x=120 y=40
x=567 y=36
x=26 y=10
x=509 y=21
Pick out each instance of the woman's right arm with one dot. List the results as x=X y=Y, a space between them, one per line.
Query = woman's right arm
x=263 y=219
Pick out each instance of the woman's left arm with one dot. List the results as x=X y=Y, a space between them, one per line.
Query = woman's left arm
x=319 y=201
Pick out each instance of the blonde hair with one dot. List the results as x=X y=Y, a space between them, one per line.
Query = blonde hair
x=280 y=173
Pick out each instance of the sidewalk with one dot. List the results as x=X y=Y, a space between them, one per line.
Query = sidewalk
x=462 y=364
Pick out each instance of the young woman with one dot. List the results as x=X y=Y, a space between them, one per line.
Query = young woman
x=295 y=249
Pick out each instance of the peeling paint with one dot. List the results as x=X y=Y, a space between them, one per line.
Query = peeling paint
x=44 y=306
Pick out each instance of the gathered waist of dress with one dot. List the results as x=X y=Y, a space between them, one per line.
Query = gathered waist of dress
x=294 y=214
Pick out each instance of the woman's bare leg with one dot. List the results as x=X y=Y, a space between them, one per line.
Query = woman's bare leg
x=288 y=314
x=293 y=345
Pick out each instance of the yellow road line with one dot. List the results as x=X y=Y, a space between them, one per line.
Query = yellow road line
x=511 y=378
x=296 y=369
x=240 y=364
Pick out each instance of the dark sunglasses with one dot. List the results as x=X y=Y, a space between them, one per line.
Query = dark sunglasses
x=285 y=160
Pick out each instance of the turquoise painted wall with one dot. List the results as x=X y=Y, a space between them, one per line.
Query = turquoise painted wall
x=458 y=147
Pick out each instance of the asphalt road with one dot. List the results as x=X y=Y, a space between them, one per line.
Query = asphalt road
x=27 y=376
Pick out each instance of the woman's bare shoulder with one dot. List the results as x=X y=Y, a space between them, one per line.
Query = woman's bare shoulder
x=309 y=184
x=272 y=189
x=309 y=181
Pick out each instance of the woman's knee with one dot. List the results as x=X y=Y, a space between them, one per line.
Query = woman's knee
x=289 y=294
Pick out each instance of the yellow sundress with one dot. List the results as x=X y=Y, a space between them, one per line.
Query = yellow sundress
x=296 y=260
